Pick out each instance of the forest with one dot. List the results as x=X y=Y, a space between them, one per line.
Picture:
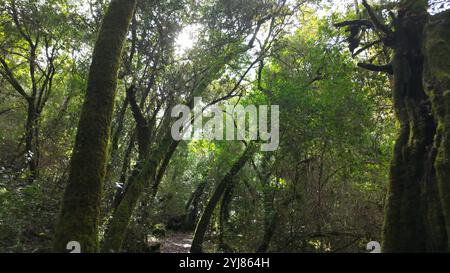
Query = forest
x=224 y=126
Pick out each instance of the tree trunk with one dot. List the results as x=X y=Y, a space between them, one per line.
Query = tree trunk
x=224 y=216
x=192 y=208
x=215 y=198
x=270 y=215
x=31 y=149
x=117 y=227
x=437 y=80
x=269 y=230
x=78 y=220
x=414 y=220
x=143 y=177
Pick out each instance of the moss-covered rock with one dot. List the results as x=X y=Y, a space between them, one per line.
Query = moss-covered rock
x=159 y=231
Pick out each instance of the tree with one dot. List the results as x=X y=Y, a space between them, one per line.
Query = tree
x=437 y=86
x=416 y=217
x=78 y=220
x=32 y=48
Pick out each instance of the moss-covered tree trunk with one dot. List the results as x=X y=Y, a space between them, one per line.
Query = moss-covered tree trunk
x=203 y=223
x=271 y=217
x=117 y=227
x=404 y=229
x=143 y=178
x=415 y=213
x=417 y=207
x=78 y=220
x=437 y=83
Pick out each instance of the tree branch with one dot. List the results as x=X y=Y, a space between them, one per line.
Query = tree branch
x=360 y=22
x=369 y=45
x=11 y=79
x=137 y=113
x=15 y=16
x=4 y=111
x=378 y=24
x=378 y=68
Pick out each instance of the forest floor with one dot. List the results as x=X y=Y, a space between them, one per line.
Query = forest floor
x=176 y=243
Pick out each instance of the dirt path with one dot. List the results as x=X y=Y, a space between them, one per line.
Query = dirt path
x=176 y=243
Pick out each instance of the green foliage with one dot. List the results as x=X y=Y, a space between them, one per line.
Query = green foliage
x=26 y=215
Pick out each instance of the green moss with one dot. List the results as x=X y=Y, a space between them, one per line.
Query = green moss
x=78 y=220
x=437 y=79
x=414 y=220
x=159 y=230
x=120 y=220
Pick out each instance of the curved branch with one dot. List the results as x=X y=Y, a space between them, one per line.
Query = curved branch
x=9 y=76
x=137 y=113
x=369 y=45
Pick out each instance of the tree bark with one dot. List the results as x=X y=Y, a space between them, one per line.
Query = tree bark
x=192 y=207
x=31 y=145
x=269 y=231
x=415 y=219
x=271 y=216
x=78 y=220
x=437 y=82
x=117 y=227
x=224 y=216
x=417 y=215
x=142 y=178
